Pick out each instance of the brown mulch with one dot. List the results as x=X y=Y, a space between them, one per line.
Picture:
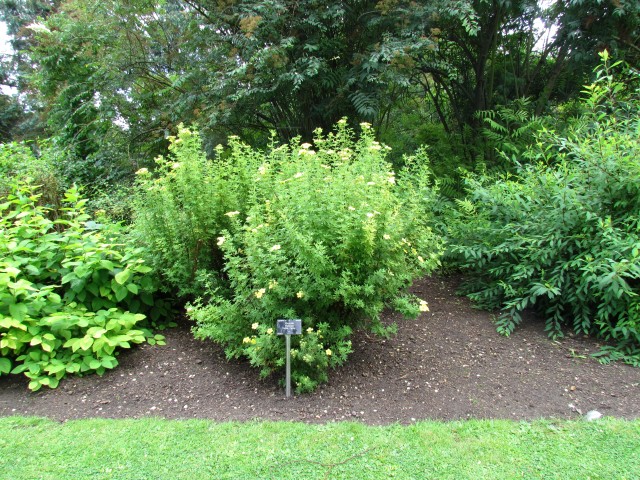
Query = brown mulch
x=448 y=364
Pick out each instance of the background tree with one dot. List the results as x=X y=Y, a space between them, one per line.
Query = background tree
x=114 y=79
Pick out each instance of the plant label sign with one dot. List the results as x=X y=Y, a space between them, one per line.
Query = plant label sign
x=289 y=327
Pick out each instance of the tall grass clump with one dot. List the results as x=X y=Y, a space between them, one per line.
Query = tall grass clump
x=326 y=233
x=561 y=235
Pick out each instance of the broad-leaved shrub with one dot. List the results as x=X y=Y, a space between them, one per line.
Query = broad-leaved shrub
x=72 y=292
x=562 y=235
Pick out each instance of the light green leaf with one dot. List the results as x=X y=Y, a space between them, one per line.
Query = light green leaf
x=18 y=311
x=123 y=276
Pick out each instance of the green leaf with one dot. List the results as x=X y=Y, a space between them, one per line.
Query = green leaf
x=18 y=311
x=85 y=343
x=35 y=385
x=123 y=276
x=121 y=293
x=5 y=365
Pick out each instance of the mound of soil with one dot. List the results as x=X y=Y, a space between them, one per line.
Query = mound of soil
x=448 y=364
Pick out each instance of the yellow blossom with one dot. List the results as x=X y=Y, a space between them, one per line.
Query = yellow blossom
x=175 y=165
x=253 y=341
x=275 y=248
x=269 y=331
x=246 y=340
x=328 y=352
x=142 y=171
x=298 y=175
x=300 y=294
x=309 y=330
x=306 y=146
x=232 y=214
x=420 y=259
x=386 y=236
x=260 y=293
x=220 y=241
x=351 y=208
x=424 y=306
x=254 y=326
x=273 y=284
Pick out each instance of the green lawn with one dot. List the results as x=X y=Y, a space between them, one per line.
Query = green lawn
x=33 y=448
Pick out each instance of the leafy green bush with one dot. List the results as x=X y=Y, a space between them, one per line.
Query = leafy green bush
x=18 y=163
x=72 y=291
x=330 y=236
x=562 y=235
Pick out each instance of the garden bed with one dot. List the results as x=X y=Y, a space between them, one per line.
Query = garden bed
x=448 y=364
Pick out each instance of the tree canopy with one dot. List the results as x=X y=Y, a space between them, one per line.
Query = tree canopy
x=113 y=79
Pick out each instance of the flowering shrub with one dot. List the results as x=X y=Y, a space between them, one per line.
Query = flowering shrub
x=326 y=233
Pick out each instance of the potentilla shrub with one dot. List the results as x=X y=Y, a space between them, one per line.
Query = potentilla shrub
x=180 y=210
x=72 y=292
x=563 y=234
x=324 y=232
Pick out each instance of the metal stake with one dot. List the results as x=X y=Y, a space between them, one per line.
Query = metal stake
x=288 y=379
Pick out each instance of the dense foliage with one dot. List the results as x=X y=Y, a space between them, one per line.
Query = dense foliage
x=72 y=291
x=326 y=233
x=111 y=80
x=561 y=235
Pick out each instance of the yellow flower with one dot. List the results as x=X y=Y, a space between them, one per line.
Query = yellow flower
x=275 y=248
x=328 y=352
x=298 y=175
x=352 y=208
x=253 y=341
x=142 y=171
x=300 y=294
x=246 y=340
x=273 y=284
x=386 y=236
x=220 y=240
x=424 y=306
x=309 y=330
x=269 y=331
x=232 y=214
x=175 y=165
x=420 y=259
x=254 y=326
x=260 y=293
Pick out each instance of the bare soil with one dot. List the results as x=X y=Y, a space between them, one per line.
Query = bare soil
x=448 y=364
